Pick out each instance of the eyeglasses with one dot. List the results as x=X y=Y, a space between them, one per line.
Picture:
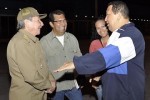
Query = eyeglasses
x=60 y=21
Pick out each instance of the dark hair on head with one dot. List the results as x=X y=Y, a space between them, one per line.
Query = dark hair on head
x=120 y=6
x=55 y=12
x=95 y=35
x=100 y=18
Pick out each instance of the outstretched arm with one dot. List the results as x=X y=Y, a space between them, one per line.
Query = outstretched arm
x=66 y=66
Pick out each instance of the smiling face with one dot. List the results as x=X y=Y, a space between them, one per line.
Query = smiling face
x=59 y=24
x=34 y=25
x=111 y=19
x=101 y=28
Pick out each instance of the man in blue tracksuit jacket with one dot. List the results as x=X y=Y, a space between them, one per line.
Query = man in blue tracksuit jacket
x=122 y=58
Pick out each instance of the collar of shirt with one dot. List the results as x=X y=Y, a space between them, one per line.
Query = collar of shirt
x=54 y=36
x=28 y=35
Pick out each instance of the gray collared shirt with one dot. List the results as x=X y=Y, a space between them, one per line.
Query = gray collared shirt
x=57 y=55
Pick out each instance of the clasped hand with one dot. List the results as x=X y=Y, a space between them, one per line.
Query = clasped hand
x=50 y=90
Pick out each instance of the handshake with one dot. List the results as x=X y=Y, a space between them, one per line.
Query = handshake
x=66 y=66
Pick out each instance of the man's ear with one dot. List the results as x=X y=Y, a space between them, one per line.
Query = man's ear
x=119 y=16
x=51 y=24
x=26 y=22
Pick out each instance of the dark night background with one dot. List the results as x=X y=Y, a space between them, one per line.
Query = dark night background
x=138 y=8
x=79 y=13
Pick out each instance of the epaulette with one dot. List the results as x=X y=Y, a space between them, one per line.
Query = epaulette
x=26 y=38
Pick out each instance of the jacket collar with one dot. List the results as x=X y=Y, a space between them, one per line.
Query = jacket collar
x=28 y=35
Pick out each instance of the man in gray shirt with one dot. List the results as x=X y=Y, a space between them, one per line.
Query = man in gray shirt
x=60 y=47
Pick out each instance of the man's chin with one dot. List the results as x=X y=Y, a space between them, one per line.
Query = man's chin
x=38 y=33
x=62 y=32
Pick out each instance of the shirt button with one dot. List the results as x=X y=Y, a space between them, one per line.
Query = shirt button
x=41 y=66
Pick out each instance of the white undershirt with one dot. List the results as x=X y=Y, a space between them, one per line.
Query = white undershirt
x=61 y=39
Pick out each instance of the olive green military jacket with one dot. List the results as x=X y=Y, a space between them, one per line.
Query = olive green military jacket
x=27 y=67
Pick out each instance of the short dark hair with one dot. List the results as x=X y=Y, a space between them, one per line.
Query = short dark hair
x=57 y=12
x=95 y=35
x=100 y=18
x=120 y=6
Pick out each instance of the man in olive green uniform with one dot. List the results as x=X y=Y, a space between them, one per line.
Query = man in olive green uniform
x=30 y=78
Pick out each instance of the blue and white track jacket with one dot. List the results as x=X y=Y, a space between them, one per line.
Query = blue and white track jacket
x=123 y=60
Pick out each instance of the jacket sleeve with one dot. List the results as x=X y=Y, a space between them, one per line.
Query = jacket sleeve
x=109 y=57
x=84 y=64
